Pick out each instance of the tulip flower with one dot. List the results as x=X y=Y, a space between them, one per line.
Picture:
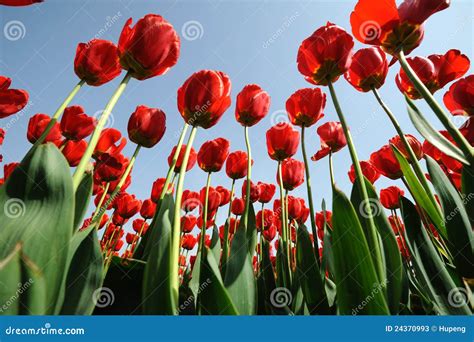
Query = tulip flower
x=157 y=189
x=75 y=124
x=213 y=198
x=254 y=191
x=320 y=218
x=97 y=62
x=394 y=29
x=127 y=205
x=111 y=167
x=305 y=107
x=191 y=200
x=264 y=219
x=130 y=238
x=213 y=154
x=140 y=226
x=435 y=72
x=236 y=165
x=8 y=170
x=368 y=170
x=252 y=105
x=238 y=206
x=73 y=151
x=325 y=55
x=386 y=163
x=110 y=142
x=150 y=48
x=146 y=126
x=459 y=98
x=188 y=222
x=368 y=69
x=225 y=195
x=19 y=2
x=266 y=192
x=415 y=146
x=390 y=197
x=282 y=141
x=292 y=172
x=188 y=242
x=332 y=139
x=177 y=164
x=11 y=100
x=148 y=208
x=37 y=124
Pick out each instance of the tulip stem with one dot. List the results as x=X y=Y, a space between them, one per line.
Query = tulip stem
x=308 y=188
x=58 y=113
x=225 y=248
x=372 y=235
x=331 y=172
x=416 y=166
x=284 y=227
x=249 y=174
x=98 y=130
x=440 y=113
x=204 y=218
x=174 y=260
x=101 y=201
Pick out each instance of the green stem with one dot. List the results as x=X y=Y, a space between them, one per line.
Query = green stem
x=372 y=236
x=175 y=243
x=310 y=193
x=437 y=109
x=414 y=162
x=249 y=174
x=102 y=198
x=98 y=130
x=331 y=172
x=284 y=229
x=58 y=113
x=225 y=248
x=204 y=218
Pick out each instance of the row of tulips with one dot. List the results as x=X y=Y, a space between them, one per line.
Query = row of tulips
x=375 y=253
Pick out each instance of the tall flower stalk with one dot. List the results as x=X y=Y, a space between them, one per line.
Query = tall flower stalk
x=249 y=176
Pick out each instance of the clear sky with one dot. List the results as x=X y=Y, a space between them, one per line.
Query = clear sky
x=251 y=41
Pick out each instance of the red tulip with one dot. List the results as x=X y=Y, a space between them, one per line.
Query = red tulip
x=19 y=2
x=325 y=55
x=108 y=142
x=188 y=222
x=397 y=224
x=130 y=238
x=207 y=239
x=127 y=205
x=270 y=233
x=209 y=223
x=390 y=197
x=157 y=189
x=204 y=97
x=319 y=218
x=73 y=151
x=190 y=200
x=414 y=144
x=8 y=170
x=238 y=206
x=103 y=221
x=75 y=124
x=110 y=167
x=385 y=161
x=368 y=170
x=252 y=105
x=282 y=141
x=292 y=172
x=212 y=154
x=254 y=191
x=140 y=226
x=146 y=126
x=368 y=69
x=213 y=200
x=36 y=127
x=305 y=106
x=460 y=97
x=97 y=62
x=2 y=135
x=191 y=159
x=11 y=100
x=118 y=245
x=188 y=242
x=381 y=23
x=435 y=72
x=148 y=208
x=268 y=218
x=225 y=195
x=332 y=139
x=150 y=48
x=265 y=192
x=126 y=184
x=236 y=165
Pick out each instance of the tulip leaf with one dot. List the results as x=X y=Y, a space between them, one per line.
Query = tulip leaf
x=309 y=275
x=467 y=184
x=213 y=299
x=419 y=193
x=252 y=230
x=83 y=196
x=356 y=279
x=84 y=277
x=429 y=268
x=158 y=296
x=38 y=202
x=239 y=278
x=459 y=229
x=327 y=258
x=393 y=259
x=268 y=278
x=432 y=135
x=216 y=243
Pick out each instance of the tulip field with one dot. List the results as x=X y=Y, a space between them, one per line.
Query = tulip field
x=75 y=238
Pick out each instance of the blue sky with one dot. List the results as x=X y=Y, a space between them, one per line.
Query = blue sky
x=251 y=41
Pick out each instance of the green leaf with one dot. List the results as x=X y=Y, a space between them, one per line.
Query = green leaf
x=158 y=297
x=467 y=184
x=214 y=299
x=309 y=275
x=419 y=193
x=327 y=259
x=392 y=257
x=83 y=196
x=459 y=229
x=266 y=272
x=356 y=279
x=432 y=135
x=84 y=277
x=429 y=268
x=239 y=278
x=216 y=243
x=251 y=231
x=38 y=212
